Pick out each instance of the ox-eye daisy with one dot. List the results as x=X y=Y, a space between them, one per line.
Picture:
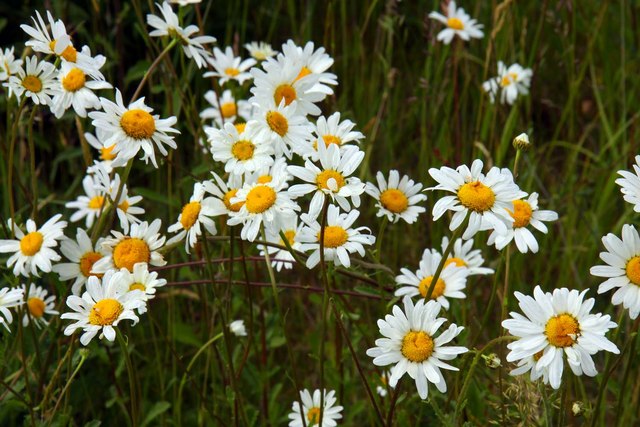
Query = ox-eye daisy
x=398 y=198
x=9 y=64
x=222 y=193
x=237 y=328
x=340 y=240
x=630 y=185
x=313 y=61
x=194 y=215
x=463 y=255
x=141 y=279
x=225 y=108
x=558 y=324
x=260 y=50
x=458 y=23
x=329 y=130
x=75 y=90
x=450 y=284
x=38 y=303
x=312 y=412
x=410 y=344
x=133 y=128
x=34 y=251
x=106 y=151
x=510 y=82
x=282 y=258
x=622 y=270
x=383 y=383
x=57 y=43
x=82 y=255
x=90 y=205
x=36 y=81
x=524 y=213
x=282 y=125
x=9 y=298
x=228 y=67
x=486 y=199
x=241 y=152
x=105 y=303
x=331 y=180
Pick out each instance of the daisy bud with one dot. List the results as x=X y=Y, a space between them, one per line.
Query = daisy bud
x=492 y=360
x=577 y=408
x=521 y=142
x=237 y=328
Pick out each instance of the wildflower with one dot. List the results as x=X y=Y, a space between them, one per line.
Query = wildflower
x=225 y=109
x=463 y=255
x=57 y=43
x=36 y=81
x=328 y=130
x=229 y=67
x=9 y=64
x=106 y=151
x=492 y=360
x=141 y=279
x=458 y=23
x=260 y=50
x=312 y=412
x=398 y=198
x=559 y=324
x=410 y=344
x=9 y=298
x=90 y=205
x=38 y=303
x=82 y=255
x=222 y=193
x=381 y=389
x=74 y=90
x=282 y=257
x=237 y=328
x=510 y=82
x=521 y=142
x=196 y=213
x=241 y=152
x=314 y=61
x=630 y=185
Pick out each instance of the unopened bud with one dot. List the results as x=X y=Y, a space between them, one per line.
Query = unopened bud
x=492 y=360
x=577 y=408
x=521 y=142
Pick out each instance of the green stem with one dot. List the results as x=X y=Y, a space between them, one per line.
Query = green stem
x=12 y=147
x=32 y=163
x=131 y=373
x=83 y=357
x=153 y=66
x=325 y=302
x=383 y=227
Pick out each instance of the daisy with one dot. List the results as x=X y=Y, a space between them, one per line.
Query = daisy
x=530 y=364
x=458 y=23
x=57 y=43
x=106 y=151
x=222 y=193
x=133 y=128
x=241 y=152
x=237 y=328
x=90 y=205
x=39 y=303
x=229 y=67
x=168 y=25
x=525 y=213
x=332 y=180
x=141 y=279
x=510 y=82
x=35 y=250
x=339 y=239
x=450 y=284
x=282 y=258
x=313 y=61
x=559 y=324
x=622 y=270
x=196 y=213
x=9 y=298
x=329 y=130
x=383 y=381
x=224 y=109
x=9 y=65
x=267 y=204
x=277 y=171
x=260 y=50
x=312 y=412
x=74 y=90
x=282 y=125
x=82 y=255
x=463 y=255
x=398 y=198
x=105 y=303
x=410 y=344
x=630 y=185
x=36 y=81
x=125 y=251
x=126 y=209
x=487 y=198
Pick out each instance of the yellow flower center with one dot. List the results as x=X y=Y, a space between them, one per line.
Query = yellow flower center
x=106 y=153
x=305 y=71
x=334 y=236
x=476 y=196
x=457 y=261
x=263 y=179
x=36 y=307
x=129 y=252
x=324 y=176
x=240 y=127
x=313 y=416
x=455 y=24
x=96 y=202
x=32 y=83
x=417 y=346
x=438 y=289
x=227 y=201
x=69 y=53
x=260 y=198
x=330 y=139
x=394 y=200
x=278 y=123
x=105 y=312
x=31 y=243
x=190 y=213
x=562 y=330
x=86 y=263
x=137 y=287
x=243 y=149
x=508 y=79
x=286 y=92
x=124 y=206
x=231 y=72
x=521 y=214
x=74 y=80
x=228 y=109
x=138 y=124
x=633 y=270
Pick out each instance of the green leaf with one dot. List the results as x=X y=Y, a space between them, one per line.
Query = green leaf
x=157 y=409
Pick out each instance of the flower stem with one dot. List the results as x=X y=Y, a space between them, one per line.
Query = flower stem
x=325 y=303
x=131 y=374
x=83 y=357
x=152 y=68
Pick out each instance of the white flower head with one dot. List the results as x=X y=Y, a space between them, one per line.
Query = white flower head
x=90 y=205
x=463 y=255
x=82 y=255
x=35 y=81
x=398 y=198
x=383 y=383
x=9 y=298
x=57 y=43
x=510 y=82
x=76 y=90
x=141 y=279
x=329 y=130
x=260 y=50
x=458 y=23
x=38 y=304
x=225 y=109
x=311 y=410
x=9 y=64
x=282 y=258
x=229 y=67
x=630 y=185
x=314 y=62
x=196 y=214
x=223 y=192
x=237 y=328
x=241 y=152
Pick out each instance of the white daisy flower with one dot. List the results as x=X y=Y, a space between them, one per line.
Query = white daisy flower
x=125 y=251
x=57 y=43
x=106 y=152
x=185 y=2
x=510 y=82
x=82 y=255
x=383 y=381
x=331 y=131
x=398 y=198
x=74 y=90
x=237 y=328
x=90 y=205
x=34 y=251
x=558 y=324
x=126 y=209
x=229 y=67
x=332 y=180
x=488 y=198
x=630 y=185
x=313 y=61
x=222 y=193
x=133 y=128
x=463 y=255
x=525 y=213
x=311 y=410
x=141 y=279
x=275 y=172
x=168 y=25
x=622 y=270
x=458 y=23
x=260 y=50
x=241 y=152
x=9 y=298
x=450 y=284
x=282 y=258
x=530 y=364
x=340 y=240
x=267 y=203
x=105 y=303
x=195 y=214
x=410 y=344
x=9 y=64
x=36 y=81
x=225 y=109
x=39 y=303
